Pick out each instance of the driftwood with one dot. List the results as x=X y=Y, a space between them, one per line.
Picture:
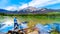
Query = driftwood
x=25 y=31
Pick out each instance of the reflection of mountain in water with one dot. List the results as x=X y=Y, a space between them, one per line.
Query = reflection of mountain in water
x=42 y=28
x=2 y=33
x=6 y=27
x=1 y=25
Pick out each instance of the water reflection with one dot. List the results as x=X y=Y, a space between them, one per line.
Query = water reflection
x=8 y=24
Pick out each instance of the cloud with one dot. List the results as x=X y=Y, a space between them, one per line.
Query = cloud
x=23 y=6
x=41 y=3
x=34 y=3
x=11 y=8
x=14 y=7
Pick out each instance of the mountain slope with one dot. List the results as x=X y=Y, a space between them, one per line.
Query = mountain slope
x=30 y=10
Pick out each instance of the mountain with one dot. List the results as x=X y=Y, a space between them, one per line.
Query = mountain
x=30 y=10
x=27 y=10
x=7 y=11
x=33 y=10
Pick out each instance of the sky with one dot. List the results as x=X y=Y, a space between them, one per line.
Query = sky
x=20 y=4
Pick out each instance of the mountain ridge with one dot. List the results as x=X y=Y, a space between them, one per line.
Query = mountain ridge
x=30 y=10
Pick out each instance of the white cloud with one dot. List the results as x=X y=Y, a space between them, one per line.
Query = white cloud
x=12 y=8
x=41 y=3
x=23 y=6
x=34 y=3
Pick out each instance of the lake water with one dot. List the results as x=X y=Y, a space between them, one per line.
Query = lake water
x=32 y=20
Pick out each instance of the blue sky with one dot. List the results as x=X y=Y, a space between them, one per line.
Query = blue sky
x=20 y=4
x=54 y=6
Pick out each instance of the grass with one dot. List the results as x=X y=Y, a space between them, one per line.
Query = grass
x=35 y=19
